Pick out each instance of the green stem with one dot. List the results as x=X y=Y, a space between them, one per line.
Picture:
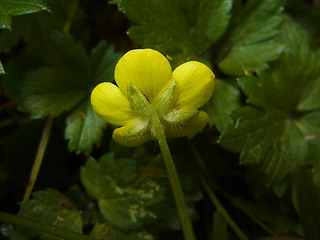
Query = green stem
x=39 y=157
x=207 y=177
x=174 y=179
x=222 y=210
x=39 y=226
x=70 y=17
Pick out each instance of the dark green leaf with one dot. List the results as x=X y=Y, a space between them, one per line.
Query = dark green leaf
x=106 y=232
x=103 y=61
x=50 y=91
x=225 y=99
x=251 y=45
x=277 y=137
x=51 y=207
x=178 y=28
x=18 y=7
x=84 y=128
x=122 y=202
x=269 y=139
x=35 y=29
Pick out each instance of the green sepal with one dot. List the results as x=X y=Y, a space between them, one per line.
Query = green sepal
x=138 y=101
x=164 y=102
x=134 y=133
x=179 y=116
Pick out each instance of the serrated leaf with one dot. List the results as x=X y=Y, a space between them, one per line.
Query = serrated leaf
x=121 y=202
x=251 y=45
x=103 y=61
x=50 y=207
x=10 y=8
x=35 y=29
x=84 y=128
x=269 y=139
x=225 y=99
x=277 y=137
x=49 y=92
x=191 y=28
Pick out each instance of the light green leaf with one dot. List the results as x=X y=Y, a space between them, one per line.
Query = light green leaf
x=84 y=128
x=121 y=202
x=51 y=207
x=225 y=99
x=251 y=45
x=18 y=7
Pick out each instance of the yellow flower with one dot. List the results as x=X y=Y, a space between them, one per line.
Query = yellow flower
x=146 y=86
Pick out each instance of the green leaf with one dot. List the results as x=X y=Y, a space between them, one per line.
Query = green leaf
x=178 y=28
x=225 y=99
x=51 y=207
x=35 y=29
x=84 y=128
x=103 y=61
x=105 y=231
x=18 y=7
x=269 y=139
x=122 y=202
x=50 y=91
x=252 y=45
x=278 y=137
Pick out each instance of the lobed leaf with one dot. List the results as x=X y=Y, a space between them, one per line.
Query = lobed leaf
x=226 y=98
x=274 y=132
x=51 y=207
x=122 y=202
x=84 y=128
x=179 y=29
x=252 y=45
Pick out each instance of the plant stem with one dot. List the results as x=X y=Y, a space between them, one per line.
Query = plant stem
x=203 y=175
x=71 y=14
x=222 y=210
x=39 y=157
x=42 y=227
x=174 y=179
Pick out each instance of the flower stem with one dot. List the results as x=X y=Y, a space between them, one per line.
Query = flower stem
x=42 y=227
x=203 y=174
x=174 y=179
x=39 y=157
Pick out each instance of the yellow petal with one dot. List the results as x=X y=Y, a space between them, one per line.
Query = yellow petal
x=190 y=128
x=135 y=133
x=147 y=69
x=110 y=104
x=195 y=83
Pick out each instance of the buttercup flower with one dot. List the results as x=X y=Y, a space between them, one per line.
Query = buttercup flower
x=147 y=86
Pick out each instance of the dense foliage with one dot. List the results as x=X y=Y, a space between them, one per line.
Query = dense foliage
x=253 y=173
